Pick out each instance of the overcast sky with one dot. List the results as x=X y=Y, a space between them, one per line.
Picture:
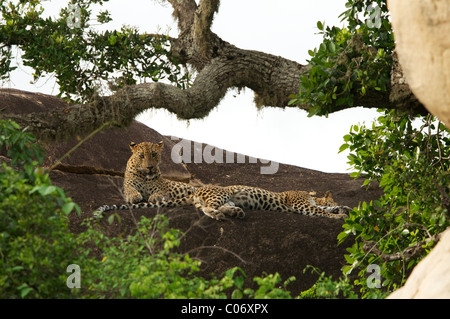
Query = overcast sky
x=286 y=28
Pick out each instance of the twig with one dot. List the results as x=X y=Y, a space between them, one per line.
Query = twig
x=406 y=254
x=80 y=143
x=215 y=247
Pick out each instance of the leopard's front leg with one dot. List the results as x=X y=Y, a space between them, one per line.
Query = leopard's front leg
x=132 y=196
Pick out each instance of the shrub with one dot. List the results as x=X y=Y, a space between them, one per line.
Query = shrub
x=411 y=164
x=35 y=244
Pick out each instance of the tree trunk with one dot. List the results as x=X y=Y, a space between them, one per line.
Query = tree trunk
x=220 y=66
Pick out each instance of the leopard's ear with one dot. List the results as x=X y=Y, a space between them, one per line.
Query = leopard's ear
x=132 y=146
x=161 y=144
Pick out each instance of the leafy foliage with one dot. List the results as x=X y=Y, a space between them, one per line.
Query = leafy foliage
x=35 y=245
x=81 y=59
x=411 y=164
x=144 y=265
x=350 y=61
x=147 y=265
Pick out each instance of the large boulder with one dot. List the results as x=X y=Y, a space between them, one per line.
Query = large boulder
x=262 y=243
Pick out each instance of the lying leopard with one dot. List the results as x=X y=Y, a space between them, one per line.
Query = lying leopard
x=217 y=201
x=144 y=187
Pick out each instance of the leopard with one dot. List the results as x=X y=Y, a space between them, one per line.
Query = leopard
x=219 y=201
x=143 y=185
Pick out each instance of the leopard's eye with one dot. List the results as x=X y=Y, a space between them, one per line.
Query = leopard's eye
x=154 y=153
x=141 y=156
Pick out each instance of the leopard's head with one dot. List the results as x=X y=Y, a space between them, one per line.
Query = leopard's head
x=146 y=158
x=326 y=200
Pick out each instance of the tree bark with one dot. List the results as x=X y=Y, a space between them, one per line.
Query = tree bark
x=220 y=66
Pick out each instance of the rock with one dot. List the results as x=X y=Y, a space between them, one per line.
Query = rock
x=421 y=30
x=262 y=243
x=14 y=101
x=430 y=279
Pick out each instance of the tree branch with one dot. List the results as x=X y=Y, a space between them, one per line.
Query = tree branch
x=406 y=254
x=220 y=66
x=269 y=76
x=202 y=23
x=183 y=11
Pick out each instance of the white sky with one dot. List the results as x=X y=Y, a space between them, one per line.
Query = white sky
x=286 y=28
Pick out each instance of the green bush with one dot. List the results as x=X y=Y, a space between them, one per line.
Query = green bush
x=143 y=265
x=146 y=265
x=78 y=57
x=411 y=164
x=350 y=61
x=35 y=244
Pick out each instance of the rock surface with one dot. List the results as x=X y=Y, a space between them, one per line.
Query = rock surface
x=262 y=243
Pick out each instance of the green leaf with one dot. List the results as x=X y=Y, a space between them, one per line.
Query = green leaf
x=67 y=208
x=24 y=292
x=349 y=259
x=239 y=282
x=332 y=47
x=355 y=174
x=347 y=138
x=320 y=25
x=343 y=147
x=237 y=294
x=44 y=190
x=342 y=235
x=112 y=39
x=111 y=219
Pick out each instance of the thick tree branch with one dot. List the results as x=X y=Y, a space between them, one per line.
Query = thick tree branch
x=183 y=12
x=202 y=23
x=239 y=68
x=220 y=66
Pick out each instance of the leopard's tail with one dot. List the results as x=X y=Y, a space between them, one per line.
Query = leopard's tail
x=102 y=209
x=185 y=201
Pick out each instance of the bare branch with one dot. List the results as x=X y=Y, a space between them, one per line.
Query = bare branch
x=206 y=11
x=221 y=248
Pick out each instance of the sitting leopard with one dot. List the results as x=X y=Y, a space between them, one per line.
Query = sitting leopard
x=143 y=185
x=217 y=201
